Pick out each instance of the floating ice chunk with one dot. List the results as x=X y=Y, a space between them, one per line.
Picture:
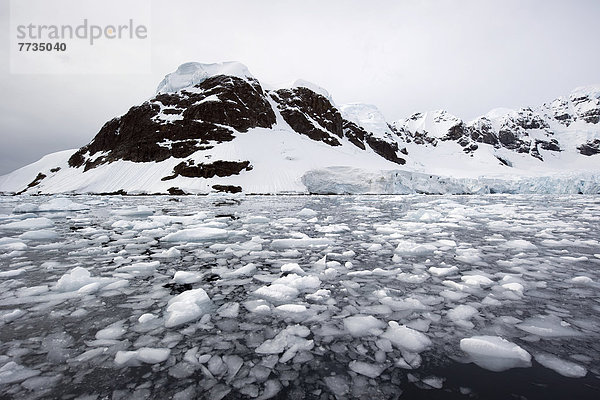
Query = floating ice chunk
x=78 y=278
x=461 y=315
x=291 y=308
x=434 y=381
x=121 y=283
x=89 y=288
x=476 y=280
x=256 y=219
x=277 y=292
x=375 y=247
x=11 y=315
x=563 y=367
x=234 y=364
x=216 y=366
x=111 y=332
x=300 y=243
x=455 y=285
x=410 y=248
x=12 y=273
x=184 y=277
x=366 y=369
x=203 y=359
x=139 y=211
x=363 y=325
x=307 y=213
x=453 y=296
x=422 y=325
x=122 y=224
x=199 y=234
x=141 y=269
x=413 y=278
x=257 y=306
x=403 y=304
x=41 y=234
x=547 y=326
x=146 y=355
x=292 y=267
x=468 y=256
x=25 y=208
x=29 y=224
x=582 y=280
x=299 y=282
x=61 y=204
x=337 y=384
x=39 y=383
x=88 y=355
x=247 y=269
x=291 y=338
x=520 y=244
x=422 y=215
x=446 y=243
x=490 y=300
x=187 y=306
x=229 y=310
x=12 y=372
x=146 y=318
x=32 y=291
x=272 y=387
x=514 y=287
x=14 y=245
x=335 y=228
x=319 y=295
x=406 y=338
x=441 y=271
x=495 y=353
x=173 y=252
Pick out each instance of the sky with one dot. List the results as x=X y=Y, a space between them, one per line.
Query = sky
x=404 y=56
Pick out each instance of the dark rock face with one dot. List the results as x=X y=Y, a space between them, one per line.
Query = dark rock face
x=590 y=148
x=552 y=145
x=301 y=106
x=175 y=191
x=527 y=119
x=40 y=177
x=179 y=124
x=354 y=133
x=360 y=138
x=227 y=188
x=387 y=150
x=586 y=108
x=456 y=132
x=483 y=132
x=418 y=137
x=504 y=162
x=508 y=139
x=512 y=134
x=559 y=110
x=463 y=136
x=218 y=168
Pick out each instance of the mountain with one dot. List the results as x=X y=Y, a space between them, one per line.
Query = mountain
x=215 y=127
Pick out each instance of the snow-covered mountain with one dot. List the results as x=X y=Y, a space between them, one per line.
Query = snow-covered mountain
x=215 y=127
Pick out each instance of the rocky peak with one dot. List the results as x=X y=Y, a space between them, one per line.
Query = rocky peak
x=586 y=103
x=177 y=124
x=193 y=73
x=309 y=113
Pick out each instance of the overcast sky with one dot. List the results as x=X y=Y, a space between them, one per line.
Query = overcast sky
x=404 y=56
